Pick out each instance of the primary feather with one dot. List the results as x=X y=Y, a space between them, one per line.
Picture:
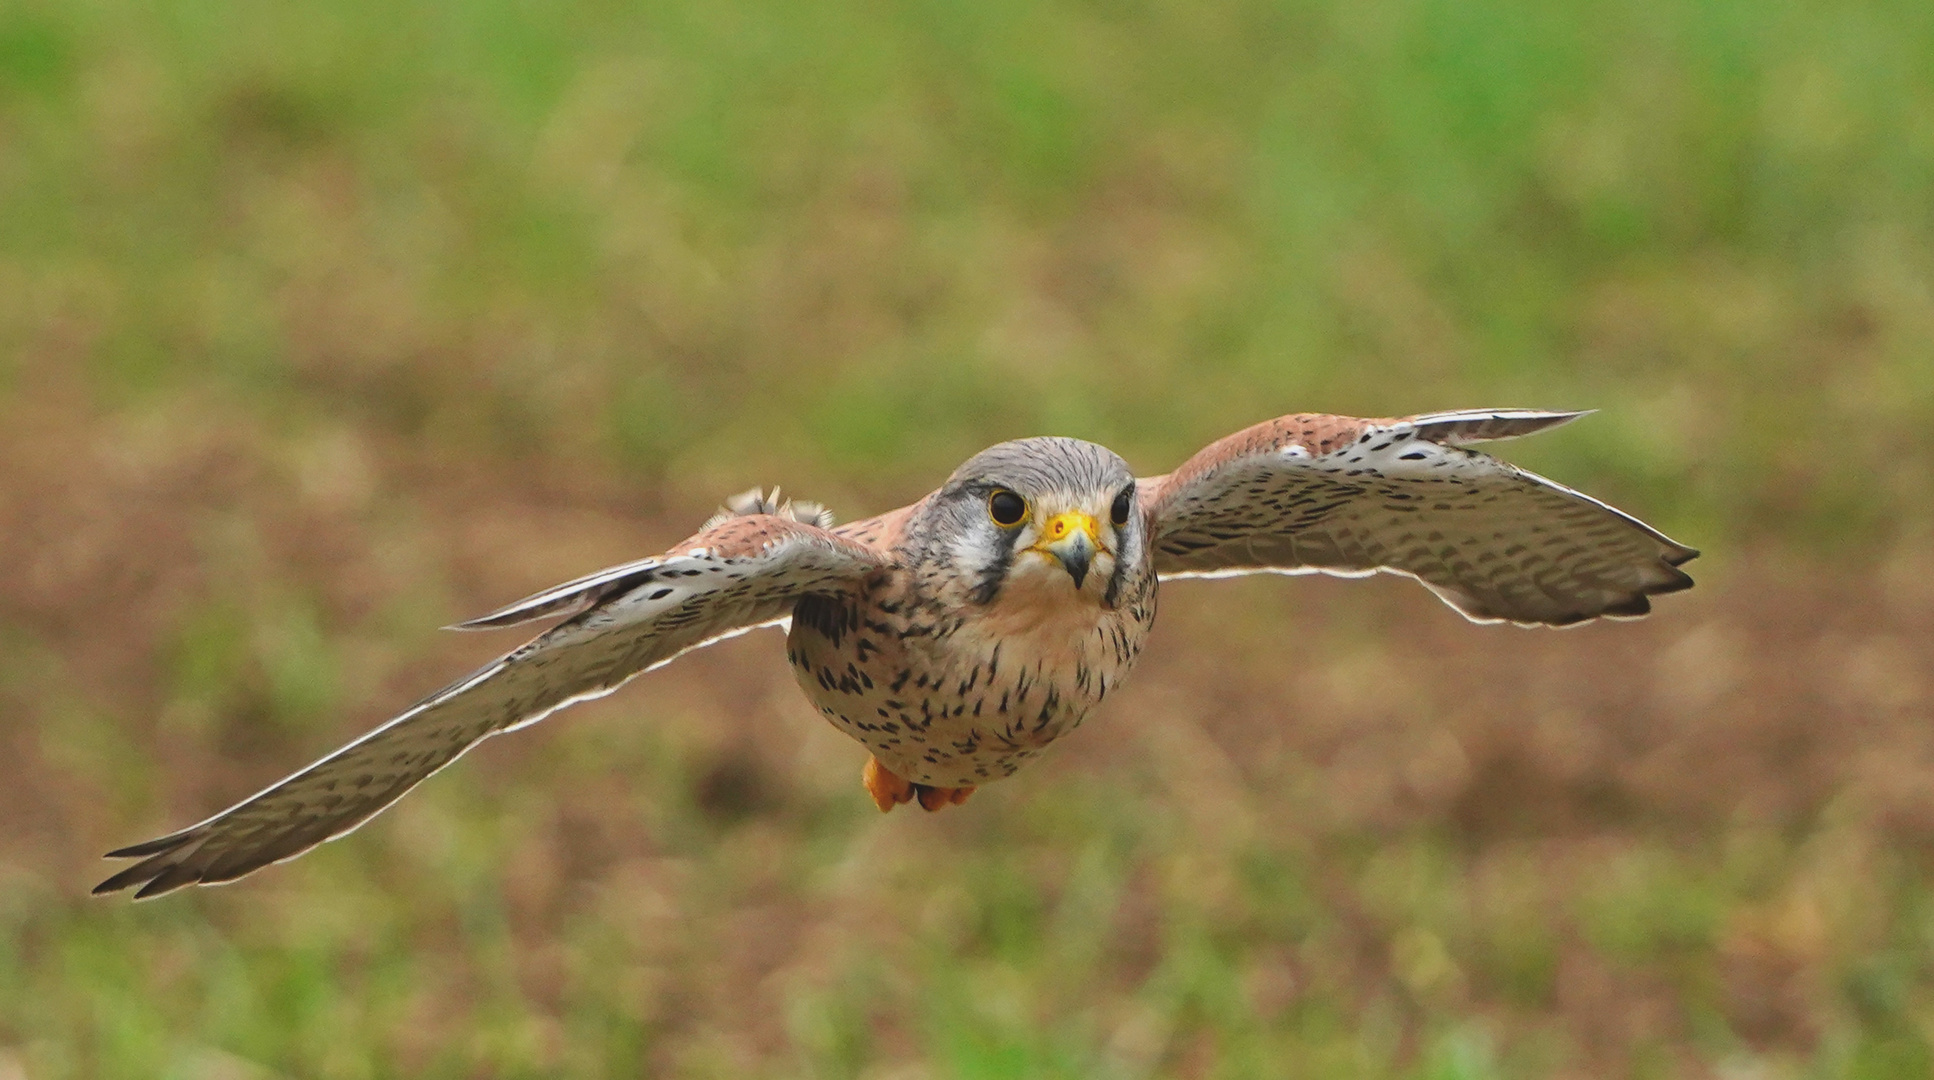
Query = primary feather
x=738 y=574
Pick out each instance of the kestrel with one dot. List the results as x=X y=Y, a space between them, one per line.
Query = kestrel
x=957 y=637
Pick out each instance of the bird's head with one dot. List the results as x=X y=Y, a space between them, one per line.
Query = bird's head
x=1050 y=517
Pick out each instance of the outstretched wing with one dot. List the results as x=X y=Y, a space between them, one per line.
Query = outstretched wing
x=1339 y=495
x=737 y=574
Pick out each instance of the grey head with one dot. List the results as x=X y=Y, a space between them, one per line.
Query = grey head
x=1045 y=513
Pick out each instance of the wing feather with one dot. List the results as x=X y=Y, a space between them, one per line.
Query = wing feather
x=1347 y=496
x=734 y=576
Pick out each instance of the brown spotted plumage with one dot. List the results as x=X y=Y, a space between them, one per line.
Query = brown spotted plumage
x=958 y=637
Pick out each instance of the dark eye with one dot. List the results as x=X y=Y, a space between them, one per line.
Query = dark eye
x=1006 y=508
x=1119 y=512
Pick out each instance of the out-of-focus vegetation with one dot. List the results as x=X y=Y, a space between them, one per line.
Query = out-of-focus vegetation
x=324 y=324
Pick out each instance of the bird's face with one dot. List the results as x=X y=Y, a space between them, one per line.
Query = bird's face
x=1047 y=520
x=1058 y=538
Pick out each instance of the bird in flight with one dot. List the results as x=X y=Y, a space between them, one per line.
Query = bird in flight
x=957 y=637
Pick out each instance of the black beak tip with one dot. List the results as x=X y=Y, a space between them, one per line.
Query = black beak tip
x=1077 y=567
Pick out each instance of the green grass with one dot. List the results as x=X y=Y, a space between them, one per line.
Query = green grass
x=901 y=231
x=324 y=324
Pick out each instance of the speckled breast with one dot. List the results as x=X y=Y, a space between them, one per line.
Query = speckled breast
x=954 y=696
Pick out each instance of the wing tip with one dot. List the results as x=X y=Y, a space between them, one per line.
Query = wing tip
x=148 y=879
x=562 y=601
x=1491 y=425
x=1635 y=606
x=496 y=620
x=169 y=869
x=1628 y=607
x=109 y=887
x=532 y=608
x=1680 y=581
x=147 y=847
x=159 y=860
x=158 y=887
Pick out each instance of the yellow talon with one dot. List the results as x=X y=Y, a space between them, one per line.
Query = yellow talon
x=889 y=789
x=886 y=787
x=933 y=798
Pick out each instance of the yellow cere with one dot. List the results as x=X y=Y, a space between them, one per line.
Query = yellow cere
x=1063 y=525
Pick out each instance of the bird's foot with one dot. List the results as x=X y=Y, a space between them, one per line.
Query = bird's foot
x=889 y=789
x=933 y=798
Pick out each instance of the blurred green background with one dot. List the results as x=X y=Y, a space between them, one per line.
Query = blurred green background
x=324 y=324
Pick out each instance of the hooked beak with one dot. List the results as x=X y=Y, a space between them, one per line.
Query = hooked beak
x=1072 y=538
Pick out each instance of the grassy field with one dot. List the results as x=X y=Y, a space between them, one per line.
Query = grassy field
x=326 y=324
